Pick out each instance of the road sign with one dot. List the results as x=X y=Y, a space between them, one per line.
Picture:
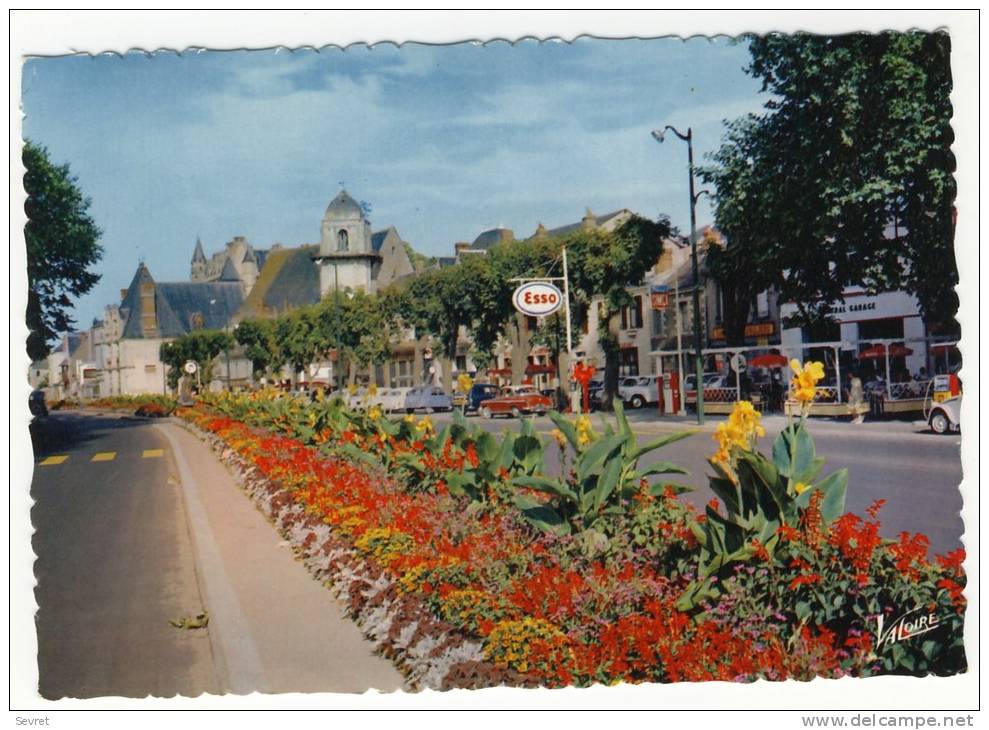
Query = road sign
x=738 y=362
x=190 y=367
x=537 y=298
x=659 y=296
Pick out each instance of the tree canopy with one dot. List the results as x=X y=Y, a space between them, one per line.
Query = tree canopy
x=846 y=178
x=200 y=346
x=62 y=245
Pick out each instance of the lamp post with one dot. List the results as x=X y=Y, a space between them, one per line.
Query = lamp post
x=658 y=135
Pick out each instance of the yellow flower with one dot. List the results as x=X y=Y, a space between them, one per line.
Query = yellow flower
x=801 y=488
x=560 y=438
x=425 y=425
x=804 y=383
x=373 y=389
x=464 y=382
x=374 y=414
x=352 y=389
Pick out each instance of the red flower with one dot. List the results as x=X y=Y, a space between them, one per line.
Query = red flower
x=472 y=455
x=804 y=580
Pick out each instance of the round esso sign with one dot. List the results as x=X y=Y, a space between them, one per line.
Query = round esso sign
x=190 y=367
x=537 y=298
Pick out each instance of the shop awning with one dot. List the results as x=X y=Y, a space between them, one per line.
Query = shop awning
x=768 y=361
x=878 y=352
x=532 y=369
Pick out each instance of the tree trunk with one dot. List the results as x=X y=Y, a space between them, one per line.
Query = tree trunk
x=520 y=349
x=612 y=353
x=446 y=369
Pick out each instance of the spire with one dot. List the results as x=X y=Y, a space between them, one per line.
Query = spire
x=541 y=231
x=249 y=257
x=198 y=257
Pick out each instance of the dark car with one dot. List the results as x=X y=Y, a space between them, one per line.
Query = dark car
x=36 y=403
x=479 y=393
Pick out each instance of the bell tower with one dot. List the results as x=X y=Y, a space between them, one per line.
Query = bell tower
x=346 y=257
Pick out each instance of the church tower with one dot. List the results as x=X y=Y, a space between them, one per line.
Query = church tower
x=346 y=255
x=198 y=262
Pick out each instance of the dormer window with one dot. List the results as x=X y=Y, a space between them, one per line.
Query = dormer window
x=343 y=243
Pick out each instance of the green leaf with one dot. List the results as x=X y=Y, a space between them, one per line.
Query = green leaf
x=834 y=487
x=596 y=453
x=566 y=428
x=660 y=467
x=805 y=465
x=547 y=485
x=781 y=453
x=659 y=443
x=542 y=517
x=607 y=481
x=727 y=491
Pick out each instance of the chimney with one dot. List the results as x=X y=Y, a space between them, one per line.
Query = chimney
x=588 y=222
x=149 y=315
x=460 y=246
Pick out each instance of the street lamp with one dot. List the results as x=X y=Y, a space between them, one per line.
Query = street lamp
x=658 y=135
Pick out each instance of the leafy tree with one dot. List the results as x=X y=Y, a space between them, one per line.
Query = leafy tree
x=849 y=168
x=62 y=244
x=261 y=347
x=603 y=265
x=200 y=346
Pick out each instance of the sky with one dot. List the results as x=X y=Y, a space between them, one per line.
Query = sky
x=443 y=142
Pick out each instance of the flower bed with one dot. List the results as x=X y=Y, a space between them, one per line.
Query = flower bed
x=466 y=564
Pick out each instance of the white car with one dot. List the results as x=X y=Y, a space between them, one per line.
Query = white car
x=393 y=399
x=638 y=391
x=946 y=416
x=428 y=398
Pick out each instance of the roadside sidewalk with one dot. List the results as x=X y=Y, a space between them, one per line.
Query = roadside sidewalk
x=274 y=627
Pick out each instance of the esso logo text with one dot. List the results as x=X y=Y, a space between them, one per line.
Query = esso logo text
x=537 y=298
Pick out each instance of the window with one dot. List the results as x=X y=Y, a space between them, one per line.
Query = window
x=629 y=363
x=762 y=304
x=343 y=243
x=632 y=315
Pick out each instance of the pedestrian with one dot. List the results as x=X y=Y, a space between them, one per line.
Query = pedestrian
x=855 y=399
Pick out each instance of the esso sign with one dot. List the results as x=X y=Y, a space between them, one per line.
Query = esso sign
x=537 y=298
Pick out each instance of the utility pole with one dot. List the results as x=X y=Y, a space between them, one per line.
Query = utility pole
x=698 y=344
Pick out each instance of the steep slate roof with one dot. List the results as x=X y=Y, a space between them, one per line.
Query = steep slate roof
x=492 y=237
x=229 y=272
x=378 y=238
x=176 y=303
x=599 y=220
x=289 y=279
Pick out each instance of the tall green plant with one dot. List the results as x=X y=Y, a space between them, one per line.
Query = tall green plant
x=605 y=474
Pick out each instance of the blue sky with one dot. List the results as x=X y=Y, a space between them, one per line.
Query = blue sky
x=442 y=141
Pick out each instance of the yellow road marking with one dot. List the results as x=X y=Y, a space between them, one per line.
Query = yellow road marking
x=105 y=456
x=152 y=453
x=53 y=460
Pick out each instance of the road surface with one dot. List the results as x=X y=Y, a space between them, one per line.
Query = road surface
x=137 y=524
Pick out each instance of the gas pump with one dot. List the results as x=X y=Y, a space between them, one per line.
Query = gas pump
x=946 y=387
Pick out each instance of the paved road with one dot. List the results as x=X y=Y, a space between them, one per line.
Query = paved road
x=917 y=472
x=115 y=563
x=138 y=523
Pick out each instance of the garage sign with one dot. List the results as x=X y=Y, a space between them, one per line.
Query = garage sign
x=537 y=298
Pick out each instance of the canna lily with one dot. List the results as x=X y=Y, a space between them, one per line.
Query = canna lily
x=804 y=383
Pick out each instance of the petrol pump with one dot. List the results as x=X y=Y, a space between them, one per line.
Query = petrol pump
x=946 y=387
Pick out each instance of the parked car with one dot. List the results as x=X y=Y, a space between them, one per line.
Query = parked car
x=428 y=398
x=479 y=393
x=391 y=399
x=516 y=401
x=946 y=416
x=638 y=391
x=36 y=403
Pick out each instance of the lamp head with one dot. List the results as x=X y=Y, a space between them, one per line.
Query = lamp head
x=657 y=135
